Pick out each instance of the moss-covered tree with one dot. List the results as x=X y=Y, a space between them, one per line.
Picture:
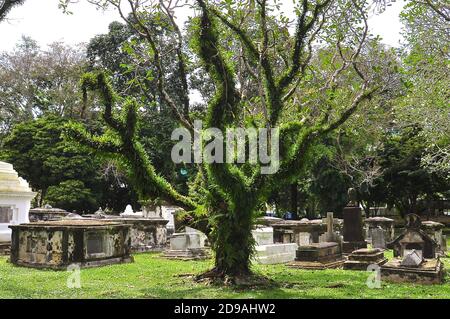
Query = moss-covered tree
x=232 y=194
x=7 y=5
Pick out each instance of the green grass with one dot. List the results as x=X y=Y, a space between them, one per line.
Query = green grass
x=151 y=276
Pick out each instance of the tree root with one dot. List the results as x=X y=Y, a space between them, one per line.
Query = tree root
x=246 y=280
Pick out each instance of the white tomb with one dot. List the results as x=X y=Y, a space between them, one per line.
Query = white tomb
x=188 y=245
x=15 y=200
x=269 y=253
x=129 y=213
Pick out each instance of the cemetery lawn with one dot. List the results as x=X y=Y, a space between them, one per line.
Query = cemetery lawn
x=151 y=276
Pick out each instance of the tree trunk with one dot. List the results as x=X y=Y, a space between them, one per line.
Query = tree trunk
x=234 y=245
x=294 y=200
x=232 y=241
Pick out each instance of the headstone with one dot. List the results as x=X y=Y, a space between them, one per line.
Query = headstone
x=353 y=225
x=412 y=259
x=266 y=252
x=304 y=239
x=415 y=255
x=387 y=224
x=378 y=238
x=202 y=237
x=434 y=230
x=353 y=230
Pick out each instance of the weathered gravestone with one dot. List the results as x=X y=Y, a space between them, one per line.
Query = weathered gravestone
x=387 y=224
x=378 y=236
x=353 y=230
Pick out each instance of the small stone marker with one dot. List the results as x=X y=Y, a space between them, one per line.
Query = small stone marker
x=412 y=259
x=304 y=239
x=378 y=238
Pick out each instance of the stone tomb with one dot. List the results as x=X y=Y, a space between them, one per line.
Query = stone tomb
x=386 y=224
x=434 y=230
x=15 y=201
x=353 y=230
x=269 y=253
x=429 y=271
x=189 y=245
x=302 y=232
x=146 y=233
x=47 y=213
x=318 y=256
x=58 y=244
x=416 y=259
x=414 y=238
x=361 y=259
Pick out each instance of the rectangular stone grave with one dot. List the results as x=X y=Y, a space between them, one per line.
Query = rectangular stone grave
x=431 y=271
x=318 y=256
x=361 y=259
x=189 y=245
x=57 y=244
x=275 y=253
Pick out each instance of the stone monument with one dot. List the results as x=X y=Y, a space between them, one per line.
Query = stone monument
x=414 y=237
x=434 y=230
x=318 y=256
x=57 y=244
x=378 y=238
x=353 y=226
x=47 y=213
x=269 y=253
x=416 y=256
x=188 y=245
x=15 y=202
x=386 y=224
x=129 y=213
x=361 y=259
x=330 y=235
x=146 y=233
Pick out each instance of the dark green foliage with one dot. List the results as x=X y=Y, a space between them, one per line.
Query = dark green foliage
x=72 y=195
x=330 y=186
x=56 y=168
x=405 y=181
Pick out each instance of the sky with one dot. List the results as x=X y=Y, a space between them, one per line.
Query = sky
x=43 y=21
